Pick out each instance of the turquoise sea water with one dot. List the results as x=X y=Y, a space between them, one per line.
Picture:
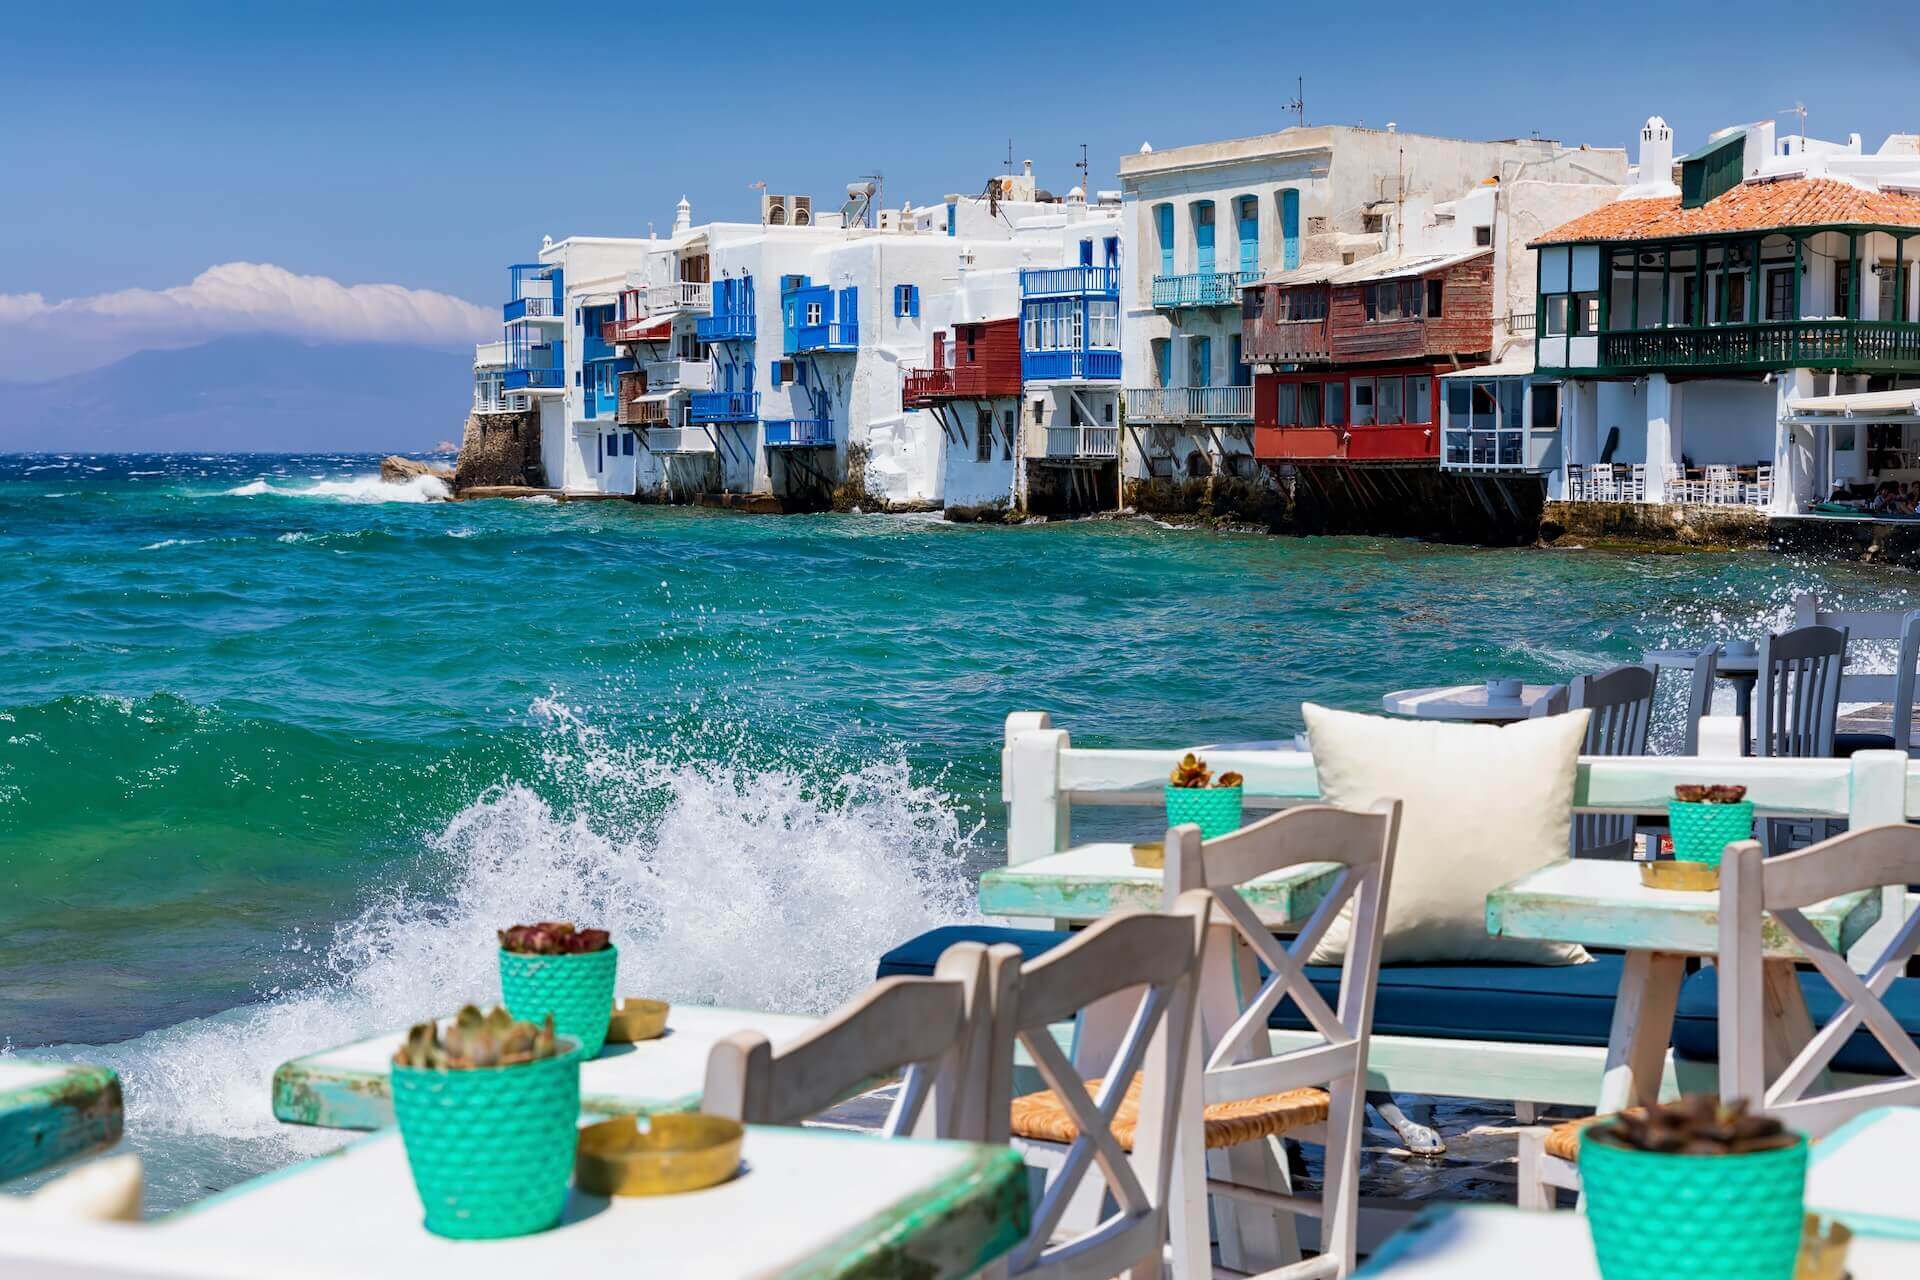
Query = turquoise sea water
x=280 y=747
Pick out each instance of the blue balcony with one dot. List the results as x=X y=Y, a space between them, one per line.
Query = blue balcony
x=1201 y=289
x=723 y=406
x=537 y=291
x=799 y=433
x=1069 y=282
x=816 y=318
x=534 y=379
x=728 y=326
x=1070 y=366
x=833 y=335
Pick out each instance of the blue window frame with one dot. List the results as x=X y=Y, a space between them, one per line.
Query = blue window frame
x=773 y=370
x=906 y=300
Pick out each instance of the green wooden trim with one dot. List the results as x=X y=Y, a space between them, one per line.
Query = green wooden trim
x=1853 y=275
x=340 y=1098
x=1860 y=228
x=78 y=1112
x=1008 y=891
x=951 y=1229
x=1799 y=267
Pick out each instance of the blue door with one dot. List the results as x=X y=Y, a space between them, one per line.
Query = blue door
x=1163 y=216
x=1241 y=371
x=1162 y=362
x=1290 y=226
x=1249 y=235
x=1199 y=361
x=1203 y=237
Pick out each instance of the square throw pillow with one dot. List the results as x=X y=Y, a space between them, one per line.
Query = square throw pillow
x=1481 y=806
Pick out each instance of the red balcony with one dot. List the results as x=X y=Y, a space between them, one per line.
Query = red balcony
x=980 y=362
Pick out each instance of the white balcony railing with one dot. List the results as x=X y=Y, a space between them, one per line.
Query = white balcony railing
x=694 y=296
x=1185 y=404
x=1083 y=442
x=678 y=375
x=675 y=441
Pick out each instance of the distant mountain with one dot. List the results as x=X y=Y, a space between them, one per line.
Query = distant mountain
x=247 y=394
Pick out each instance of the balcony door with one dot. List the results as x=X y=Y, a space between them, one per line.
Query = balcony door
x=1249 y=221
x=1199 y=361
x=1203 y=237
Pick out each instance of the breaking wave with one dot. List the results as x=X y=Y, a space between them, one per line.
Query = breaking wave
x=355 y=489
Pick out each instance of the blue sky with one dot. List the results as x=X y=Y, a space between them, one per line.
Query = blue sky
x=427 y=145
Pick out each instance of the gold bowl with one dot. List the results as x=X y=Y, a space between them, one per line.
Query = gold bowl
x=1151 y=854
x=635 y=1019
x=675 y=1152
x=1694 y=877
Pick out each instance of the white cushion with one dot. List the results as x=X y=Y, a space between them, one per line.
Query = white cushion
x=1481 y=806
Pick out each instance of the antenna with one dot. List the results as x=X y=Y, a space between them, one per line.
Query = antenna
x=1082 y=167
x=1299 y=104
x=1009 y=157
x=1797 y=109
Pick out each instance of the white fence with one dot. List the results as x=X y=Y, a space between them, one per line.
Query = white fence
x=1083 y=442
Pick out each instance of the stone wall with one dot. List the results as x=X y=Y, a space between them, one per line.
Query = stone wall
x=1413 y=500
x=1647 y=524
x=500 y=449
x=1213 y=499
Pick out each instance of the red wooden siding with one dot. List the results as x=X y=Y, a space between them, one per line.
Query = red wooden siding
x=1266 y=339
x=1403 y=440
x=979 y=362
x=1463 y=328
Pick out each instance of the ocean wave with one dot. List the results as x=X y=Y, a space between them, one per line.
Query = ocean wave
x=357 y=489
x=173 y=542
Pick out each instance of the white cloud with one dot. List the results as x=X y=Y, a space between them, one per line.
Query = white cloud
x=41 y=339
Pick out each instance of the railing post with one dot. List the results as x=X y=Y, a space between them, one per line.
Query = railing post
x=1877 y=797
x=1037 y=813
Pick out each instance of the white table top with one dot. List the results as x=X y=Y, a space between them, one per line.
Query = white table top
x=347 y=1087
x=1862 y=1174
x=1092 y=880
x=1485 y=1242
x=1600 y=903
x=809 y=1201
x=1463 y=702
x=1727 y=664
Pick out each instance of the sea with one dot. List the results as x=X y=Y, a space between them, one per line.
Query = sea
x=281 y=745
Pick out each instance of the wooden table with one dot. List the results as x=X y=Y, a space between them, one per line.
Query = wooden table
x=1487 y=1241
x=347 y=1087
x=808 y=1202
x=53 y=1111
x=1091 y=880
x=1862 y=1174
x=1599 y=903
x=1464 y=702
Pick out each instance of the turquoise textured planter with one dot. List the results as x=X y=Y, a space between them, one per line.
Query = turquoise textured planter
x=576 y=989
x=1701 y=831
x=491 y=1149
x=1657 y=1217
x=1215 y=809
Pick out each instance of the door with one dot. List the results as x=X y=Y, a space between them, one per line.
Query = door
x=1203 y=237
x=1249 y=235
x=1199 y=361
x=1163 y=226
x=1086 y=253
x=1241 y=371
x=1290 y=227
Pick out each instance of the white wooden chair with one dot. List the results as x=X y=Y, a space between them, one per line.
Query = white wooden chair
x=1095 y=1113
x=1576 y=483
x=1602 y=486
x=1723 y=486
x=1633 y=483
x=1680 y=487
x=938 y=1029
x=1247 y=1096
x=1759 y=492
x=1754 y=891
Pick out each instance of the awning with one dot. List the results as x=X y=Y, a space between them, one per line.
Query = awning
x=1901 y=407
x=1518 y=365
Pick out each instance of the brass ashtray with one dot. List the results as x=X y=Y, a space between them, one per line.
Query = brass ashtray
x=672 y=1153
x=1679 y=874
x=1151 y=854
x=636 y=1019
x=1823 y=1250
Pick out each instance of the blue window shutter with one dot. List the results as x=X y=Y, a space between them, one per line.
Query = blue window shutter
x=915 y=300
x=1249 y=234
x=1086 y=253
x=1203 y=237
x=1113 y=251
x=1290 y=226
x=950 y=221
x=773 y=368
x=1163 y=361
x=1163 y=215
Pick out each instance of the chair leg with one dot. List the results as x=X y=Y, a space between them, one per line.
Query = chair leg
x=1254 y=1239
x=1525 y=1112
x=1533 y=1191
x=1340 y=1176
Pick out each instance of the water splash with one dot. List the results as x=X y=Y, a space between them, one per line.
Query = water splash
x=359 y=489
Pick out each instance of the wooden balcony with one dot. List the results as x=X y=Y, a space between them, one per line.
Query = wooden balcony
x=979 y=362
x=1285 y=341
x=1083 y=442
x=1867 y=345
x=1201 y=289
x=1189 y=404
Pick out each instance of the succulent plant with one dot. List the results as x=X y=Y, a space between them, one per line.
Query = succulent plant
x=475 y=1039
x=1696 y=794
x=1696 y=1125
x=553 y=938
x=1192 y=772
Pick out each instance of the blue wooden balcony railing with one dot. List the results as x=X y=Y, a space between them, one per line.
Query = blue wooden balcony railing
x=833 y=335
x=525 y=379
x=723 y=406
x=530 y=308
x=724 y=326
x=1069 y=366
x=799 y=433
x=1201 y=289
x=1044 y=282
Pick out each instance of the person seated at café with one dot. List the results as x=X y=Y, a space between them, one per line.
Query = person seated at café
x=1888 y=498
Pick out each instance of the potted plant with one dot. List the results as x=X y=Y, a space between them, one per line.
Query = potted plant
x=1694 y=1189
x=1195 y=795
x=489 y=1110
x=1705 y=820
x=554 y=968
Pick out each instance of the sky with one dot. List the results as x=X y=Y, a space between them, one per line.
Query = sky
x=191 y=169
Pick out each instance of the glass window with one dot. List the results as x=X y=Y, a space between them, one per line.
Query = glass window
x=1780 y=294
x=1105 y=313
x=1556 y=315
x=1334 y=403
x=1287 y=410
x=1546 y=406
x=1362 y=402
x=1513 y=393
x=1420 y=400
x=1310 y=404
x=1456 y=447
x=1589 y=313
x=1033 y=329
x=1483 y=406
x=1436 y=290
x=1459 y=402
x=1386 y=407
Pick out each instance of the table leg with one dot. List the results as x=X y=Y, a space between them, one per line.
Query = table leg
x=1642 y=1029
x=1788 y=1026
x=1743 y=703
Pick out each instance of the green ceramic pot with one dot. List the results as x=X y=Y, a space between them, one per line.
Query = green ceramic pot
x=1215 y=809
x=576 y=989
x=491 y=1149
x=1701 y=831
x=1657 y=1217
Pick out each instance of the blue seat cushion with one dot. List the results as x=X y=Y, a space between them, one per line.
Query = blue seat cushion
x=1516 y=1003
x=1696 y=1023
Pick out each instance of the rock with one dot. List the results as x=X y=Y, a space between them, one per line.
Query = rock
x=395 y=469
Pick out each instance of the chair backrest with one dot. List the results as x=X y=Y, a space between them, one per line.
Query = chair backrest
x=1895 y=687
x=1860 y=624
x=1706 y=666
x=1621 y=701
x=1755 y=890
x=937 y=1028
x=1157 y=956
x=1551 y=703
x=1235 y=1004
x=1799 y=691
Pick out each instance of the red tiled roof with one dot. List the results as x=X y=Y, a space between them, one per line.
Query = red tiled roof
x=1751 y=206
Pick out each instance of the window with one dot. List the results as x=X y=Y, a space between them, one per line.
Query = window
x=1163 y=232
x=1590 y=313
x=1103 y=320
x=1039 y=409
x=1733 y=302
x=1482 y=237
x=1780 y=294
x=775 y=370
x=1386 y=406
x=1546 y=406
x=1459 y=403
x=1436 y=290
x=813 y=313
x=1253 y=303
x=1310 y=404
x=1287 y=404
x=983 y=436
x=627 y=445
x=906 y=300
x=1420 y=400
x=1363 y=402
x=1010 y=417
x=1334 y=402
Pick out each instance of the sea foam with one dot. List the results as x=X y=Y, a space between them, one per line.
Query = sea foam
x=353 y=489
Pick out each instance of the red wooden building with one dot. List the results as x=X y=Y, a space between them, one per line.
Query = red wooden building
x=979 y=362
x=1351 y=355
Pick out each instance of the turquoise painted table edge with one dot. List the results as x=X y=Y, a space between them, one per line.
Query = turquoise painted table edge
x=79 y=1112
x=1007 y=891
x=362 y=1101
x=1866 y=1224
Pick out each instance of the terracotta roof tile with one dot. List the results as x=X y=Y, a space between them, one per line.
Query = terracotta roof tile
x=1751 y=206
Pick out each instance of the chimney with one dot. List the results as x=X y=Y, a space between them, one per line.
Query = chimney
x=1656 y=151
x=682 y=216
